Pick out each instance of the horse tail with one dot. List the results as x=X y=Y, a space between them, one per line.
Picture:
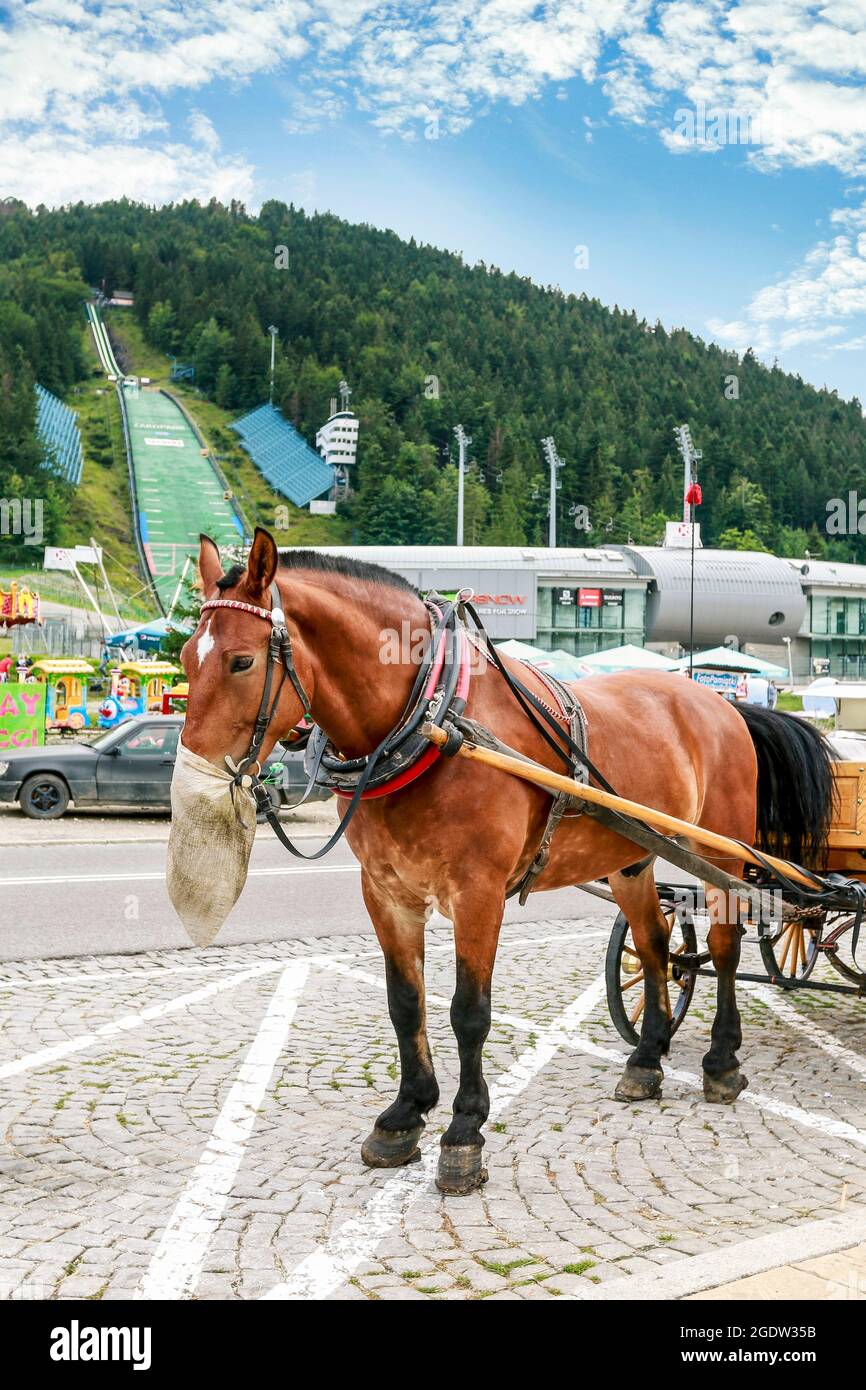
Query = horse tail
x=796 y=790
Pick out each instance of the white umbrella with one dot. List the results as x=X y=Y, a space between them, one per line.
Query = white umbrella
x=627 y=658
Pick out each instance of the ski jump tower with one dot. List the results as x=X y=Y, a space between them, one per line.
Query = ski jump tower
x=337 y=442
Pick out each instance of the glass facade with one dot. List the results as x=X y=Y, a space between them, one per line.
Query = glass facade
x=837 y=628
x=589 y=619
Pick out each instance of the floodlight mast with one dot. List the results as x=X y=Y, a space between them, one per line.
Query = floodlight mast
x=690 y=456
x=554 y=462
x=275 y=333
x=463 y=440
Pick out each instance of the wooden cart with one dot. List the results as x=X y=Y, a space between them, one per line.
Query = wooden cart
x=816 y=915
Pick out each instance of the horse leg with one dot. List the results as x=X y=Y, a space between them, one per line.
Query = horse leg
x=394 y=1139
x=723 y=1080
x=477 y=918
x=638 y=899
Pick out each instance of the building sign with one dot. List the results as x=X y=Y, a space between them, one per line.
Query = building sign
x=589 y=598
x=503 y=598
x=56 y=558
x=612 y=598
x=22 y=715
x=566 y=598
x=678 y=535
x=725 y=682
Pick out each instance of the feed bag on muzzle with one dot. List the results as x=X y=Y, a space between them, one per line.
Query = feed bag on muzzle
x=212 y=833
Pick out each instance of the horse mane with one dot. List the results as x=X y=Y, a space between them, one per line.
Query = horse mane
x=350 y=568
x=315 y=560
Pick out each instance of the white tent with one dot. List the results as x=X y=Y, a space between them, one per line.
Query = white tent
x=627 y=658
x=558 y=663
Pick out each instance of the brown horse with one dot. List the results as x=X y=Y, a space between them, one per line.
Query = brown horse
x=659 y=739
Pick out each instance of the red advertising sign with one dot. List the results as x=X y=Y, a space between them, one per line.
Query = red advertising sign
x=589 y=598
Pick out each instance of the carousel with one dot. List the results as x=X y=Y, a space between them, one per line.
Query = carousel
x=19 y=605
x=137 y=687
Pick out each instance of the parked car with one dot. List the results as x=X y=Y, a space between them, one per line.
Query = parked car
x=131 y=765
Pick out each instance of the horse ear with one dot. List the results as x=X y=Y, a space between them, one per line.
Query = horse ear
x=262 y=561
x=209 y=563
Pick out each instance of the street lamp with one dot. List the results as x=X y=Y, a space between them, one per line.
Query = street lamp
x=275 y=333
x=462 y=439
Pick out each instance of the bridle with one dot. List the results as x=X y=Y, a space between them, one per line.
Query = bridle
x=279 y=654
x=446 y=631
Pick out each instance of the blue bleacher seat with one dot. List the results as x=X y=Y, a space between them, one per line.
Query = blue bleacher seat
x=57 y=427
x=283 y=456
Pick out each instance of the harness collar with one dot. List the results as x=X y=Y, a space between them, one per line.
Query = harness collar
x=397 y=772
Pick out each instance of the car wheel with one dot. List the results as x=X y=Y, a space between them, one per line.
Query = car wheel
x=44 y=796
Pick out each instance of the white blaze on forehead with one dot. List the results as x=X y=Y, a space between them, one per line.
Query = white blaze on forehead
x=205 y=644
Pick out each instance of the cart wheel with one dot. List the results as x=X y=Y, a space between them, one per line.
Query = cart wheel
x=791 y=954
x=624 y=975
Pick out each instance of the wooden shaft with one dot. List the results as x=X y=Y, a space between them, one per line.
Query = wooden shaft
x=660 y=820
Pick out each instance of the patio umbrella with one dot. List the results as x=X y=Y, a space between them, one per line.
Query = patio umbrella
x=627 y=658
x=726 y=659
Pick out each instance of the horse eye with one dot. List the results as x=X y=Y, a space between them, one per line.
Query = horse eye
x=241 y=663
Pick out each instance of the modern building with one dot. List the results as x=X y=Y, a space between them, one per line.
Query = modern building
x=809 y=612
x=580 y=600
x=749 y=596
x=832 y=637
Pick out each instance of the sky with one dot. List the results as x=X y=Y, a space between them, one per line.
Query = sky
x=700 y=161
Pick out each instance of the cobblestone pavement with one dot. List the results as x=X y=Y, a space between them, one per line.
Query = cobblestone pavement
x=188 y=1124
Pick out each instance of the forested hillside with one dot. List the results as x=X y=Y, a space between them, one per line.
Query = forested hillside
x=40 y=340
x=426 y=341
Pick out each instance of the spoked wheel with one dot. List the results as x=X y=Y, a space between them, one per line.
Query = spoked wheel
x=792 y=952
x=624 y=975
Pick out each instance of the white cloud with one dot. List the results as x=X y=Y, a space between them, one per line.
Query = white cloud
x=811 y=304
x=99 y=70
x=71 y=169
x=203 y=132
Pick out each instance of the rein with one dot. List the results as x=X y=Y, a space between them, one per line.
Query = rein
x=427 y=702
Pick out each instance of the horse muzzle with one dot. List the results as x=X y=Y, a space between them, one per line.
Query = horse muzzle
x=213 y=827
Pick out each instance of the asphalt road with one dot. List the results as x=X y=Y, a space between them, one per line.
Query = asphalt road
x=96 y=896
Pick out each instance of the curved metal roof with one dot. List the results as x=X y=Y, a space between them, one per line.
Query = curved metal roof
x=751 y=595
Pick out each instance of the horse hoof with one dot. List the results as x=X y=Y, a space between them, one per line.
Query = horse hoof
x=391 y=1148
x=639 y=1083
x=723 y=1090
x=460 y=1169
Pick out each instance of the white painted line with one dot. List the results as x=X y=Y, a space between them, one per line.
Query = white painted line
x=775 y=1000
x=324 y=1271
x=276 y=872
x=806 y=1119
x=143 y=973
x=353 y=1243
x=694 y=1274
x=176 y=1265
x=128 y=1022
